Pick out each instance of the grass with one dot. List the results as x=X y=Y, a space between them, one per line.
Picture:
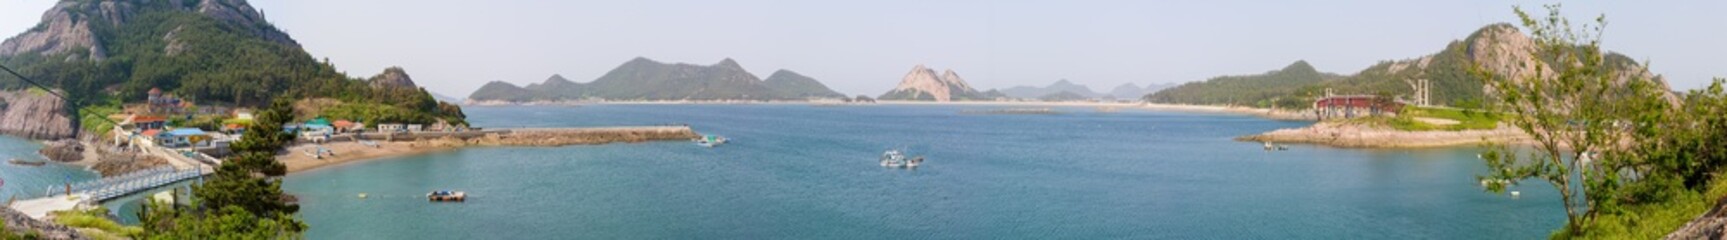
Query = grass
x=92 y=118
x=1467 y=119
x=1652 y=220
x=95 y=224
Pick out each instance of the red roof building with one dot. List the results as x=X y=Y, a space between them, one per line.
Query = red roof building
x=1351 y=106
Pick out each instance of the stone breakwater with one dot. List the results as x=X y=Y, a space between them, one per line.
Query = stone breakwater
x=300 y=158
x=1363 y=136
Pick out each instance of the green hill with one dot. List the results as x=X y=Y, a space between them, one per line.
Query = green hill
x=792 y=84
x=1244 y=89
x=211 y=52
x=1499 y=47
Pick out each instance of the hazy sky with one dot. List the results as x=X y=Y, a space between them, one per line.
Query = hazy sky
x=864 y=47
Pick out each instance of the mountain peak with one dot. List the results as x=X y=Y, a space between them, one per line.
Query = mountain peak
x=729 y=63
x=792 y=84
x=1299 y=66
x=392 y=77
x=1062 y=82
x=922 y=83
x=557 y=78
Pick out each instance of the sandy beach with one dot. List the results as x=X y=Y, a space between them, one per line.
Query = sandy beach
x=297 y=158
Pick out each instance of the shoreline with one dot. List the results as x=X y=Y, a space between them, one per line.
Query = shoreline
x=300 y=157
x=1273 y=114
x=1351 y=135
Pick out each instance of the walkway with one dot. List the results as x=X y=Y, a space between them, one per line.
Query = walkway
x=96 y=191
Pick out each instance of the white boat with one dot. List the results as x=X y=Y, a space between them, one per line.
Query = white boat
x=897 y=159
x=710 y=141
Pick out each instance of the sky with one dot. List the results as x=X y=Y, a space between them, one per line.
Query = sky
x=865 y=47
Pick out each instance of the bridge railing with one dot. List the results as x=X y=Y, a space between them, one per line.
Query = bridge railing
x=111 y=187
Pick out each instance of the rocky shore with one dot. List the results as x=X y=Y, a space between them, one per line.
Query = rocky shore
x=1357 y=135
x=18 y=222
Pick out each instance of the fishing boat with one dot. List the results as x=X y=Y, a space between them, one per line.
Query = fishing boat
x=710 y=140
x=446 y=196
x=897 y=159
x=1270 y=147
x=15 y=161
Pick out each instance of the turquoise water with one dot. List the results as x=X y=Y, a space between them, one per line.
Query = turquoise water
x=27 y=182
x=799 y=172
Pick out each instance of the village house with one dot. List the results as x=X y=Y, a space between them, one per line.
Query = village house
x=392 y=127
x=144 y=122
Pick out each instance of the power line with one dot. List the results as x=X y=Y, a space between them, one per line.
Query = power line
x=45 y=88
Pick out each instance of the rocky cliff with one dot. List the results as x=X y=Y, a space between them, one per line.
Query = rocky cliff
x=36 y=115
x=922 y=84
x=393 y=77
x=19 y=222
x=70 y=26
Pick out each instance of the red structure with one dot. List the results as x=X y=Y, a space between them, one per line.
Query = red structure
x=1351 y=106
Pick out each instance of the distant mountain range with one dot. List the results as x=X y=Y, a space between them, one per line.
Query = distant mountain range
x=642 y=79
x=1030 y=92
x=1130 y=91
x=1124 y=91
x=922 y=84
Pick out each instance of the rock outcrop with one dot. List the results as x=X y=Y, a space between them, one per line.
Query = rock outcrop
x=121 y=163
x=19 y=222
x=393 y=77
x=35 y=115
x=66 y=28
x=63 y=150
x=922 y=84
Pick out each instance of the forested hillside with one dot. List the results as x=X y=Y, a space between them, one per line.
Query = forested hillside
x=210 y=52
x=1246 y=89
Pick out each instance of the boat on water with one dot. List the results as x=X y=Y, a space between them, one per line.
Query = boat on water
x=710 y=140
x=15 y=161
x=897 y=159
x=446 y=196
x=1271 y=147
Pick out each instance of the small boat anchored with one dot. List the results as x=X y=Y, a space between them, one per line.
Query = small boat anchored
x=1270 y=147
x=445 y=196
x=897 y=159
x=710 y=140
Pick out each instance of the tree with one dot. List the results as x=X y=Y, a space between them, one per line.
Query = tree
x=1580 y=110
x=244 y=198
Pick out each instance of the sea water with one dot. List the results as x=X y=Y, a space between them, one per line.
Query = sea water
x=803 y=172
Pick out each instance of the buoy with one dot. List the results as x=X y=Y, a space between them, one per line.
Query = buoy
x=1514 y=194
x=362 y=195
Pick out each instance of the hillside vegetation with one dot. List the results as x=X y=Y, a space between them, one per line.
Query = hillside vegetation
x=1447 y=72
x=1283 y=85
x=205 y=57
